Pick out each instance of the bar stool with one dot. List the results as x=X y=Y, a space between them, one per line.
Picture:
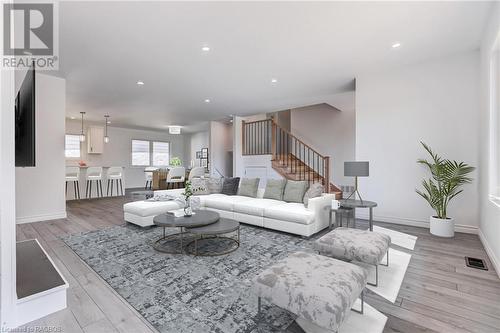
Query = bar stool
x=114 y=174
x=148 y=172
x=93 y=174
x=73 y=176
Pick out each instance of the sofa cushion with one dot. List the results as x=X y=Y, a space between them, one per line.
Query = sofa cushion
x=290 y=211
x=199 y=186
x=214 y=185
x=256 y=206
x=314 y=191
x=249 y=187
x=295 y=190
x=225 y=202
x=274 y=189
x=230 y=186
x=150 y=208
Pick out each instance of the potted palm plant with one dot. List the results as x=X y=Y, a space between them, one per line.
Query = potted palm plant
x=447 y=177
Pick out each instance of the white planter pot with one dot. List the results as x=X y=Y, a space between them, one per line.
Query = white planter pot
x=442 y=227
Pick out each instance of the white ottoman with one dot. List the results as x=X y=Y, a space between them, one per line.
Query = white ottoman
x=316 y=288
x=142 y=212
x=355 y=245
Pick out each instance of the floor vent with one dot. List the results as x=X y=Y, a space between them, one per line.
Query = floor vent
x=476 y=263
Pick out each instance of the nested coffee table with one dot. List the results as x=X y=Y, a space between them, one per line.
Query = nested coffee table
x=174 y=243
x=210 y=237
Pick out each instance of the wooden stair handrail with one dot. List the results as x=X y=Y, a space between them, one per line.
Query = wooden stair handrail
x=296 y=138
x=321 y=171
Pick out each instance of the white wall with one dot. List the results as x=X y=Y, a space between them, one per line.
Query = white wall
x=258 y=166
x=221 y=143
x=7 y=200
x=435 y=102
x=118 y=151
x=197 y=141
x=489 y=212
x=40 y=189
x=330 y=132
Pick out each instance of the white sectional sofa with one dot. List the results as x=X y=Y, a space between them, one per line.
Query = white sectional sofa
x=290 y=217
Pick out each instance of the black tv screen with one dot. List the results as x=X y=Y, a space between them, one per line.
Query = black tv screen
x=25 y=121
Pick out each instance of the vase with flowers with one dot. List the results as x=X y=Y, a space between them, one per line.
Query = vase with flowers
x=188 y=193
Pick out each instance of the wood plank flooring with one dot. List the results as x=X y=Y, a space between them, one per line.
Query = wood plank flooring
x=439 y=293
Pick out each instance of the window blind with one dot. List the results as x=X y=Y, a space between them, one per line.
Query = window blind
x=161 y=153
x=140 y=153
x=72 y=146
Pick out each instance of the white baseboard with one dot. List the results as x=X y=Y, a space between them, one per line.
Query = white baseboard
x=414 y=222
x=493 y=258
x=42 y=217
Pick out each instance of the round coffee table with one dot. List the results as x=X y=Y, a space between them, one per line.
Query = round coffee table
x=213 y=232
x=198 y=219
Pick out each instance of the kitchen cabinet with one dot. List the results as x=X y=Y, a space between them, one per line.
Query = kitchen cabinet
x=95 y=140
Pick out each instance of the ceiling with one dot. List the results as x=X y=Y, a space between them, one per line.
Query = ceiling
x=315 y=50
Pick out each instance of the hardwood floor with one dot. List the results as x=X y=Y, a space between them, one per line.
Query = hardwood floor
x=439 y=293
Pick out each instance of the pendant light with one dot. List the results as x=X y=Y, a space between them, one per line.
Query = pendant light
x=82 y=135
x=106 y=137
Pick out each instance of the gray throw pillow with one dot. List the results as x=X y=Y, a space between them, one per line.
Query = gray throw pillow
x=230 y=186
x=314 y=191
x=274 y=189
x=249 y=187
x=295 y=190
x=199 y=186
x=214 y=185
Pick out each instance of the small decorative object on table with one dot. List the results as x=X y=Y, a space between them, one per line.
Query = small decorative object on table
x=188 y=193
x=175 y=161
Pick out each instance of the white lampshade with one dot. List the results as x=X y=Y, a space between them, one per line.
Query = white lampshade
x=106 y=139
x=82 y=137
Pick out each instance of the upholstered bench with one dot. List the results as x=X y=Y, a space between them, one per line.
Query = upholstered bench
x=316 y=288
x=142 y=212
x=355 y=245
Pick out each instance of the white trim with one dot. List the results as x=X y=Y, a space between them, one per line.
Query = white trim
x=491 y=254
x=42 y=217
x=469 y=229
x=43 y=303
x=48 y=291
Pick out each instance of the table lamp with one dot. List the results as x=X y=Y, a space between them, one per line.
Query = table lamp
x=356 y=169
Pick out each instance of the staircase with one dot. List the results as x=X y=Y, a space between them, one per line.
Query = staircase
x=291 y=158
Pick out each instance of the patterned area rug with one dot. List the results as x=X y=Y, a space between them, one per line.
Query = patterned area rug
x=183 y=293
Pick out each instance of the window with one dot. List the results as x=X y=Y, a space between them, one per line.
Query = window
x=140 y=153
x=72 y=146
x=161 y=153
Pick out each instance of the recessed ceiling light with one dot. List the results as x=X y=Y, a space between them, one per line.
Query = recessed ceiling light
x=207 y=101
x=396 y=45
x=140 y=83
x=205 y=48
x=274 y=80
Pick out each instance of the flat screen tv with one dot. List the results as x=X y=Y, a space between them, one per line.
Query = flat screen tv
x=25 y=121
